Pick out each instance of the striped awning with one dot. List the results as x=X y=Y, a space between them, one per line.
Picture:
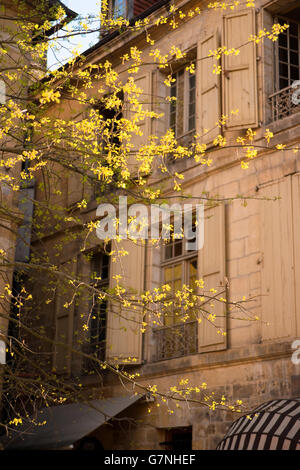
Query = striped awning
x=274 y=425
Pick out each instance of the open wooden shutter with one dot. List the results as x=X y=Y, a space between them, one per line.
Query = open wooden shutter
x=278 y=290
x=211 y=268
x=124 y=337
x=208 y=90
x=239 y=72
x=64 y=321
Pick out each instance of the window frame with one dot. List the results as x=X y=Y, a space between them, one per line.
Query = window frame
x=277 y=18
x=184 y=260
x=186 y=101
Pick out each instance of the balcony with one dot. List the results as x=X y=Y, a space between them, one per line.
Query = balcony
x=176 y=340
x=285 y=102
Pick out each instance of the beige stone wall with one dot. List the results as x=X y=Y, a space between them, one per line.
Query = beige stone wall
x=256 y=365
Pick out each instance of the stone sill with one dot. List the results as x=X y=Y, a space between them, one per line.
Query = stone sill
x=225 y=358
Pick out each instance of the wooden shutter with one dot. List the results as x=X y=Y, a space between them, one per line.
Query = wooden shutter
x=278 y=291
x=75 y=188
x=296 y=233
x=80 y=337
x=2 y=92
x=239 y=72
x=208 y=91
x=64 y=321
x=124 y=337
x=159 y=104
x=144 y=83
x=211 y=267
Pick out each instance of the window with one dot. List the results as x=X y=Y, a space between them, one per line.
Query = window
x=111 y=114
x=178 y=439
x=183 y=109
x=119 y=9
x=179 y=335
x=287 y=67
x=99 y=278
x=287 y=51
x=179 y=267
x=108 y=134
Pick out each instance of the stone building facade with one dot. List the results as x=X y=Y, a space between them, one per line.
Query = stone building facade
x=249 y=250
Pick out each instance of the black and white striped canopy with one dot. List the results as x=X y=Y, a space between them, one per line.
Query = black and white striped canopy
x=274 y=425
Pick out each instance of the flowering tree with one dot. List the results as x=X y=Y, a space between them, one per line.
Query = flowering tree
x=78 y=123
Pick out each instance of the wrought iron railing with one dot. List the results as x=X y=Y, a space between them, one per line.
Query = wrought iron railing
x=285 y=102
x=176 y=340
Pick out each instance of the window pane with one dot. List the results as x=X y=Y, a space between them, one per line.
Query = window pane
x=191 y=123
x=192 y=95
x=192 y=104
x=295 y=73
x=178 y=248
x=283 y=70
x=168 y=274
x=105 y=267
x=178 y=271
x=294 y=58
x=173 y=93
x=119 y=9
x=168 y=251
x=293 y=29
x=192 y=272
x=283 y=83
x=177 y=285
x=282 y=40
x=180 y=101
x=173 y=87
x=173 y=122
x=294 y=43
x=192 y=79
x=283 y=55
x=191 y=109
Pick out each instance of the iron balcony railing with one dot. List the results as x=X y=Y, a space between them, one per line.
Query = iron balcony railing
x=175 y=341
x=285 y=102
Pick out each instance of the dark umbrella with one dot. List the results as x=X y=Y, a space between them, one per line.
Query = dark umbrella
x=274 y=425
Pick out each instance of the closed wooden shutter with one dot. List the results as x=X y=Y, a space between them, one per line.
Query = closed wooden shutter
x=159 y=104
x=296 y=232
x=211 y=268
x=124 y=337
x=239 y=71
x=75 y=188
x=81 y=316
x=2 y=92
x=278 y=290
x=208 y=90
x=64 y=321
